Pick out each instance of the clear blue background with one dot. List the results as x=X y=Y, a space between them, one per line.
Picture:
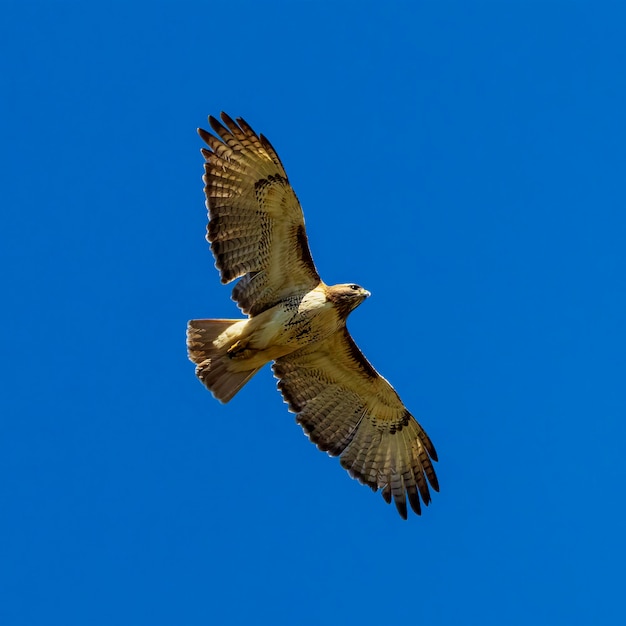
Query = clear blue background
x=463 y=161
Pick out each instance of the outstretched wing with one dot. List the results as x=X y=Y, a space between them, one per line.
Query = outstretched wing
x=347 y=408
x=256 y=227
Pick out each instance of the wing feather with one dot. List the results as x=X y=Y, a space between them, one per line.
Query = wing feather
x=349 y=410
x=256 y=226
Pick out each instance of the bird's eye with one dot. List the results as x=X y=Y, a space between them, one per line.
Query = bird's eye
x=354 y=287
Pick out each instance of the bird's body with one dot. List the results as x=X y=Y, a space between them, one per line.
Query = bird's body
x=244 y=346
x=256 y=231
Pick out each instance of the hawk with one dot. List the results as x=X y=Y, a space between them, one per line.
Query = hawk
x=257 y=235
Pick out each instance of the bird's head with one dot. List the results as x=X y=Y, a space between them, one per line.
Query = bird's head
x=346 y=297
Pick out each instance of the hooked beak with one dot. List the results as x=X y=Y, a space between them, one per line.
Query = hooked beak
x=366 y=293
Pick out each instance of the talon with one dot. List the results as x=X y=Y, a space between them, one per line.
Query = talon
x=237 y=349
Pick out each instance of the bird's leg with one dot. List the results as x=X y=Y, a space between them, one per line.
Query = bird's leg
x=239 y=350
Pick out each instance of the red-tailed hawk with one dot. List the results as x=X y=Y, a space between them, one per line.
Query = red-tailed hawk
x=256 y=231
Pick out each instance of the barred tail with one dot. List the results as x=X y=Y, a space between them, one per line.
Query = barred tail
x=207 y=346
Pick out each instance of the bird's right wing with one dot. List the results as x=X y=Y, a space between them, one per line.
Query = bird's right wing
x=256 y=226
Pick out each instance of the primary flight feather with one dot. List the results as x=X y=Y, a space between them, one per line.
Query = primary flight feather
x=257 y=235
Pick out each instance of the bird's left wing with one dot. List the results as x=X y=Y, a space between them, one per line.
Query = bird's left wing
x=347 y=408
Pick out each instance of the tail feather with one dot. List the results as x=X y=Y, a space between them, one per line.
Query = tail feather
x=207 y=346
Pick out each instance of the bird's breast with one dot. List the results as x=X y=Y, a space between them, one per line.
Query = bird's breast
x=294 y=323
x=313 y=319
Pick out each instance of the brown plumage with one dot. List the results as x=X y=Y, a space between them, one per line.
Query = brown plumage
x=257 y=234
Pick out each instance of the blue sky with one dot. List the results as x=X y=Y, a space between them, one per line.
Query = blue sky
x=464 y=162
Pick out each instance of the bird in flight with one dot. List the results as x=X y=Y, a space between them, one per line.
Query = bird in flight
x=257 y=235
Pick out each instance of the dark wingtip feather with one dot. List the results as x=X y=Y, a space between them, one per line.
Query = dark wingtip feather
x=423 y=489
x=246 y=127
x=428 y=444
x=205 y=135
x=228 y=120
x=434 y=481
x=386 y=493
x=401 y=506
x=432 y=452
x=414 y=501
x=217 y=126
